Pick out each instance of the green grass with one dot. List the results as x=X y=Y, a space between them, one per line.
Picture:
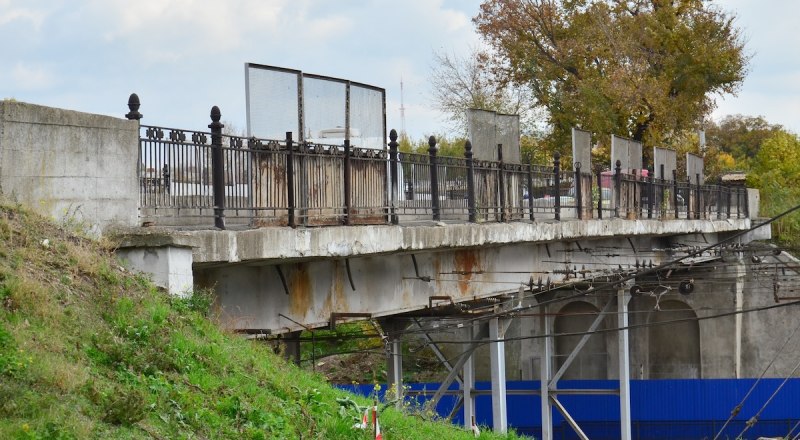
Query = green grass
x=90 y=350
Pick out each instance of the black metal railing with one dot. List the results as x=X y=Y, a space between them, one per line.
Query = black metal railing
x=189 y=177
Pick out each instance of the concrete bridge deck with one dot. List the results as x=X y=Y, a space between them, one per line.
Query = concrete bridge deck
x=271 y=244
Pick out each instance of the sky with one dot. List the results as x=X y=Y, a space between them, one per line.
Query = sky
x=184 y=56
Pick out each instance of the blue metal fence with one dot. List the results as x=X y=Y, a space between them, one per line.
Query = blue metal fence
x=660 y=409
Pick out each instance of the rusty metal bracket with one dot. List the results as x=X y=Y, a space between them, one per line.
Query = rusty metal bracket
x=349 y=273
x=336 y=316
x=283 y=279
x=431 y=299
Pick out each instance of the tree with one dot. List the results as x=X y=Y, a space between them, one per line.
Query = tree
x=776 y=173
x=461 y=83
x=643 y=68
x=741 y=136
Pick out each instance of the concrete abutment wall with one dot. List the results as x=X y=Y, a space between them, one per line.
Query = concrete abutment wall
x=74 y=167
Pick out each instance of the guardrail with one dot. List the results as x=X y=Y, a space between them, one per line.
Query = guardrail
x=188 y=177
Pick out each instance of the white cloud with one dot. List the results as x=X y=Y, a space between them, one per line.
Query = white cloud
x=10 y=14
x=31 y=77
x=191 y=26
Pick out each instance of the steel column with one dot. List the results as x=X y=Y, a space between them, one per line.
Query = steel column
x=468 y=385
x=396 y=368
x=624 y=365
x=545 y=372
x=497 y=356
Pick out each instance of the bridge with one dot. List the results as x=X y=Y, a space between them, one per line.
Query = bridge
x=300 y=236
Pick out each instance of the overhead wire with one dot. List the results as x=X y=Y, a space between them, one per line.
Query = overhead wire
x=753 y=420
x=645 y=272
x=735 y=411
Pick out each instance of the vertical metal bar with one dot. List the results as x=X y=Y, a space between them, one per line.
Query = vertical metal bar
x=545 y=372
x=217 y=171
x=719 y=198
x=600 y=194
x=557 y=183
x=501 y=183
x=347 y=182
x=675 y=192
x=624 y=366
x=747 y=204
x=497 y=356
x=618 y=188
x=469 y=383
x=396 y=369
x=473 y=217
x=290 y=179
x=650 y=193
x=530 y=191
x=432 y=150
x=729 y=192
x=394 y=164
x=578 y=191
x=690 y=203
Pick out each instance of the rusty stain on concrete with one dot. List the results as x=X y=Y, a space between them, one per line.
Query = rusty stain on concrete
x=465 y=263
x=301 y=292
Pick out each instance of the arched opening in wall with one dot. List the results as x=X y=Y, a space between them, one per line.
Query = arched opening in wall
x=674 y=348
x=592 y=361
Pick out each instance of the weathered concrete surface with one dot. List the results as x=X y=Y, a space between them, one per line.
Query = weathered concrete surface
x=74 y=167
x=169 y=267
x=286 y=244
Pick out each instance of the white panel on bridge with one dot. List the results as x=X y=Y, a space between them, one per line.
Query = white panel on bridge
x=581 y=149
x=667 y=158
x=314 y=108
x=628 y=152
x=272 y=101
x=694 y=168
x=487 y=129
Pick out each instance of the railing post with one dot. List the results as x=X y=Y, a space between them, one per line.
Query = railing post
x=217 y=170
x=617 y=187
x=530 y=191
x=740 y=198
x=557 y=183
x=347 y=182
x=690 y=202
x=700 y=211
x=501 y=182
x=747 y=204
x=650 y=193
x=719 y=198
x=600 y=193
x=434 y=178
x=578 y=191
x=729 y=191
x=663 y=202
x=133 y=106
x=473 y=217
x=290 y=179
x=675 y=192
x=393 y=166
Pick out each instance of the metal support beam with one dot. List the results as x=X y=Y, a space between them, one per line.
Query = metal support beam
x=545 y=372
x=584 y=339
x=497 y=356
x=462 y=359
x=572 y=423
x=439 y=355
x=624 y=365
x=468 y=386
x=396 y=369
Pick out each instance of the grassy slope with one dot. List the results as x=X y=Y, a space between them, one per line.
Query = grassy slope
x=88 y=350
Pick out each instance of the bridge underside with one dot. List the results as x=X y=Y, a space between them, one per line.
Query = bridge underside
x=311 y=290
